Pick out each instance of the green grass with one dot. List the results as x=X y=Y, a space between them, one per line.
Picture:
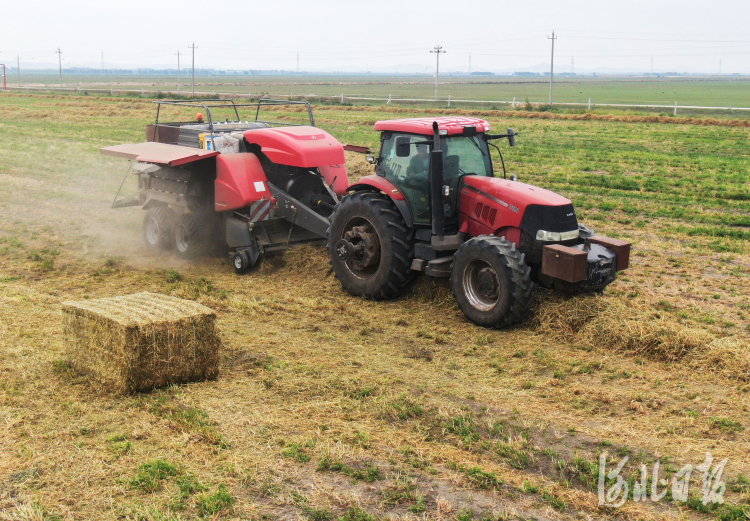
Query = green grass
x=481 y=478
x=215 y=502
x=151 y=475
x=725 y=424
x=660 y=91
x=296 y=452
x=369 y=473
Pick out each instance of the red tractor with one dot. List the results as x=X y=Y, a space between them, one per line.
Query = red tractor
x=435 y=206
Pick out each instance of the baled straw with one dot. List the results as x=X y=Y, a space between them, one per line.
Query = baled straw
x=139 y=342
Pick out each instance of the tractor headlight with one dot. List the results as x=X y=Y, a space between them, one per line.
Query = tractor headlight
x=546 y=236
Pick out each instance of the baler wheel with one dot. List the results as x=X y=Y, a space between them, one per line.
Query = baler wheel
x=370 y=246
x=241 y=262
x=491 y=281
x=192 y=235
x=158 y=227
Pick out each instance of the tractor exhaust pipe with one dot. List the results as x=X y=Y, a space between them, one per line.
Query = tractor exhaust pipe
x=436 y=184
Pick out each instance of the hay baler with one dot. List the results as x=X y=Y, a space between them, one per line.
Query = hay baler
x=274 y=185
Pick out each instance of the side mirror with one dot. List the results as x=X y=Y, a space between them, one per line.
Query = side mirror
x=512 y=137
x=370 y=159
x=403 y=146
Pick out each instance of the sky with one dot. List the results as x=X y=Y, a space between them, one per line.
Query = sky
x=383 y=35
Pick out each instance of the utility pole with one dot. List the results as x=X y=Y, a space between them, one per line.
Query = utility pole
x=437 y=51
x=297 y=63
x=552 y=66
x=102 y=73
x=572 y=65
x=18 y=69
x=178 y=71
x=652 y=65
x=193 y=48
x=470 y=65
x=59 y=58
x=719 y=67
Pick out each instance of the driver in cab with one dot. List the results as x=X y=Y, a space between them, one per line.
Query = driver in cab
x=420 y=163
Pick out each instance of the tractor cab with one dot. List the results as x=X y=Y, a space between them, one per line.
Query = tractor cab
x=405 y=160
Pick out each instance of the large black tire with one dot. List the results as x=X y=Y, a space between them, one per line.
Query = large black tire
x=491 y=281
x=158 y=227
x=192 y=235
x=383 y=271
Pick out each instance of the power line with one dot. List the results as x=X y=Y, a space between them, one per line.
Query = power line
x=656 y=39
x=193 y=48
x=437 y=51
x=178 y=70
x=59 y=58
x=552 y=65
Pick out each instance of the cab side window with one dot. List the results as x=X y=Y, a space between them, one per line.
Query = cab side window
x=409 y=174
x=397 y=168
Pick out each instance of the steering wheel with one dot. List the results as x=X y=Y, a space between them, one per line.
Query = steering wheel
x=413 y=182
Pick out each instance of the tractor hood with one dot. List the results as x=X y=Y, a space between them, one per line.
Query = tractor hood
x=302 y=146
x=507 y=193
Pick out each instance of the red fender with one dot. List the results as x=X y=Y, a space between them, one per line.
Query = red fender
x=335 y=175
x=379 y=183
x=240 y=181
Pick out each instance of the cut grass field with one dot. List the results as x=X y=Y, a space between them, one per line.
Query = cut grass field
x=332 y=407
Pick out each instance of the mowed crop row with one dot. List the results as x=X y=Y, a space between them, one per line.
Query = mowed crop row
x=331 y=407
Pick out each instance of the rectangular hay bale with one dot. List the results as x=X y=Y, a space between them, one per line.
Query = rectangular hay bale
x=142 y=341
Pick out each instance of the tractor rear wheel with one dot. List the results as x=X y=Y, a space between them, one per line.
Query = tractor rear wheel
x=192 y=235
x=491 y=281
x=158 y=226
x=370 y=246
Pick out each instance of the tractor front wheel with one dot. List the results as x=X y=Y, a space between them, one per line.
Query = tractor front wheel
x=370 y=246
x=158 y=226
x=491 y=281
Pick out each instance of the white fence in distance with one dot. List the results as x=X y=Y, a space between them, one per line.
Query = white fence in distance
x=389 y=100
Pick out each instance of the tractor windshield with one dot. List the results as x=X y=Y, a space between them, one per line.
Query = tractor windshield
x=466 y=155
x=462 y=155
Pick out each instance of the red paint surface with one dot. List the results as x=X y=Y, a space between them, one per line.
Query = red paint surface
x=336 y=175
x=236 y=175
x=303 y=146
x=482 y=215
x=379 y=183
x=453 y=125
